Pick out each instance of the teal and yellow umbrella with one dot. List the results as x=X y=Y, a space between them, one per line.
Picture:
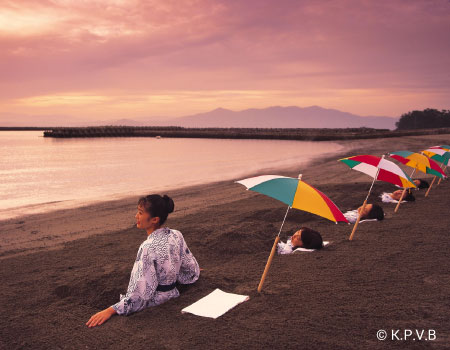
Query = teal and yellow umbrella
x=419 y=162
x=296 y=194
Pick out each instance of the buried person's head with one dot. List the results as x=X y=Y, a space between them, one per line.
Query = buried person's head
x=407 y=197
x=371 y=211
x=307 y=238
x=421 y=183
x=153 y=211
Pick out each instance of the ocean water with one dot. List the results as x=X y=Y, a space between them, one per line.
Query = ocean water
x=39 y=174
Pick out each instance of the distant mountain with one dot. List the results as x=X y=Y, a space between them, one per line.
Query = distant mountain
x=283 y=117
x=272 y=117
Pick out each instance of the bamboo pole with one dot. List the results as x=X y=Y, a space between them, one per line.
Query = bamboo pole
x=272 y=253
x=429 y=188
x=357 y=221
x=269 y=261
x=445 y=167
x=365 y=202
x=403 y=193
x=400 y=200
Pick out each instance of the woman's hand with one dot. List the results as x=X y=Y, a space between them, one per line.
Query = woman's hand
x=100 y=317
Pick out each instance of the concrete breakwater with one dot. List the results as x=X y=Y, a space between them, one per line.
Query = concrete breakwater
x=236 y=133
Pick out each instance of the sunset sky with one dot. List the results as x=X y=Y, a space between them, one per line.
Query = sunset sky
x=106 y=59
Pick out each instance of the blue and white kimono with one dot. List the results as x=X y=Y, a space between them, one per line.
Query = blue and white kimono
x=162 y=260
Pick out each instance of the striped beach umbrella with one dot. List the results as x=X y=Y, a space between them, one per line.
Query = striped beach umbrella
x=418 y=162
x=296 y=194
x=439 y=154
x=387 y=170
x=379 y=169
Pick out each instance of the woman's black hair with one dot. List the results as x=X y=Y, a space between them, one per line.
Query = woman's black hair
x=423 y=184
x=311 y=239
x=376 y=212
x=157 y=206
x=409 y=197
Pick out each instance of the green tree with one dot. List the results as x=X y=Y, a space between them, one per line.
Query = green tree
x=426 y=119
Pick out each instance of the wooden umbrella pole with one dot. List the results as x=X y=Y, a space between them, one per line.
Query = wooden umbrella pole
x=400 y=200
x=403 y=193
x=445 y=167
x=357 y=221
x=429 y=188
x=364 y=204
x=272 y=253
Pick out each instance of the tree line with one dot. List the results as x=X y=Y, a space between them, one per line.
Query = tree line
x=426 y=119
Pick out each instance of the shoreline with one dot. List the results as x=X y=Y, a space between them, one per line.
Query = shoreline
x=16 y=241
x=52 y=229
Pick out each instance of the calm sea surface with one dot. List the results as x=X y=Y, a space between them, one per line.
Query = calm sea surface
x=38 y=174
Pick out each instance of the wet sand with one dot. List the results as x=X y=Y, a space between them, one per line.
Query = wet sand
x=59 y=268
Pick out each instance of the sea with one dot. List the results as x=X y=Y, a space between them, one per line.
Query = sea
x=40 y=174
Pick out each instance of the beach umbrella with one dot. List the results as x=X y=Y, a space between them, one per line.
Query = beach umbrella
x=439 y=154
x=380 y=169
x=419 y=162
x=296 y=194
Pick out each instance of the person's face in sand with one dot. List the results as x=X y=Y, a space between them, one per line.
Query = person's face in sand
x=296 y=239
x=144 y=220
x=365 y=213
x=396 y=195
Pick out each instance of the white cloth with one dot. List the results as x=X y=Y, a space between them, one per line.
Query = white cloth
x=352 y=216
x=163 y=258
x=288 y=248
x=215 y=304
x=386 y=198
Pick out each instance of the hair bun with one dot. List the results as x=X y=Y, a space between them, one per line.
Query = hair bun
x=169 y=203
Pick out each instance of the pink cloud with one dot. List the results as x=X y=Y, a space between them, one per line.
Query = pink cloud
x=171 y=45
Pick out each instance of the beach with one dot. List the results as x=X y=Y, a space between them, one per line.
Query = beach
x=61 y=267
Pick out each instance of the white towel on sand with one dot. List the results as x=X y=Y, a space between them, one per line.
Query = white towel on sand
x=325 y=243
x=215 y=304
x=287 y=248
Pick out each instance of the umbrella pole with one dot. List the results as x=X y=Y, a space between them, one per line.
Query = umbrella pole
x=272 y=253
x=357 y=221
x=403 y=193
x=429 y=188
x=363 y=206
x=445 y=167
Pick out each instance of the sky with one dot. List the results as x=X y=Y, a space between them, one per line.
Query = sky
x=110 y=59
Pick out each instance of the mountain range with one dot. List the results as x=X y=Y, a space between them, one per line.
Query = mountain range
x=271 y=117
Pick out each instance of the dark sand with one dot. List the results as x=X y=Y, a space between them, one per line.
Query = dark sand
x=58 y=269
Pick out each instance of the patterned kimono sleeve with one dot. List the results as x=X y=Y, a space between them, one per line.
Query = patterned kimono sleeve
x=142 y=286
x=189 y=269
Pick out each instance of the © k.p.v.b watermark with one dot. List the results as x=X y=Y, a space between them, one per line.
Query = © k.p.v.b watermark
x=407 y=334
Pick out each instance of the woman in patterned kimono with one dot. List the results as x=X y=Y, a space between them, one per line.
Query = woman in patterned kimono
x=163 y=259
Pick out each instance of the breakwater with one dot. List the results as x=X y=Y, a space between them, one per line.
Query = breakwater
x=236 y=133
